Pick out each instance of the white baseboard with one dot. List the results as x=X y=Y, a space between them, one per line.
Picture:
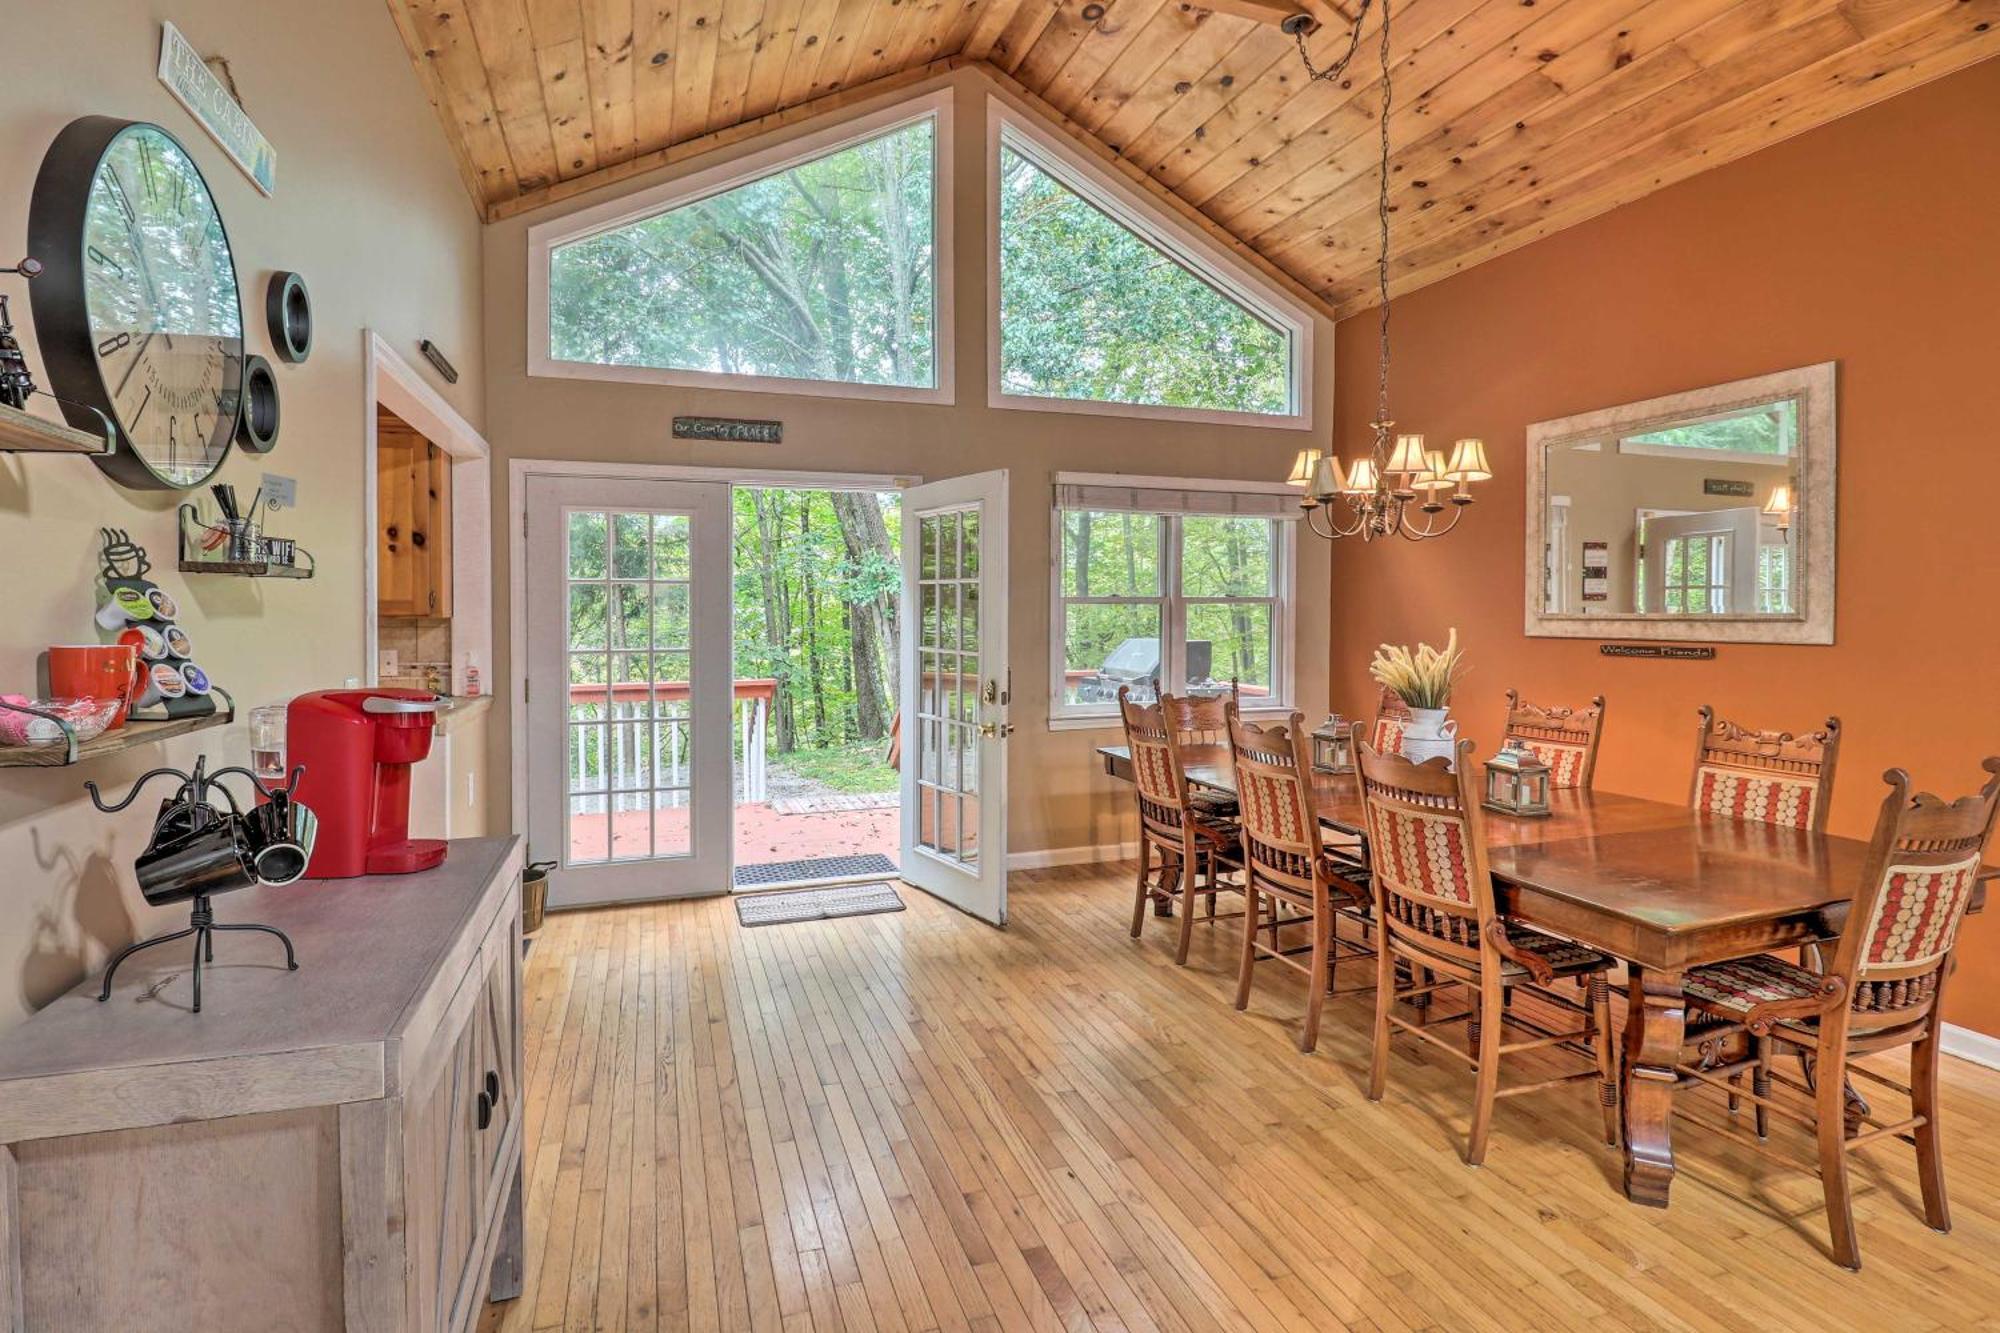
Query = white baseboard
x=1974 y=1046
x=1089 y=854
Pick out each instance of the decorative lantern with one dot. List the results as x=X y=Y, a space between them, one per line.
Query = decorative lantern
x=1333 y=746
x=1517 y=782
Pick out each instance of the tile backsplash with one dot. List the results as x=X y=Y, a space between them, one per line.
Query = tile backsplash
x=423 y=653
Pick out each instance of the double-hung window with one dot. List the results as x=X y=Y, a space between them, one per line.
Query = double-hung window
x=1158 y=584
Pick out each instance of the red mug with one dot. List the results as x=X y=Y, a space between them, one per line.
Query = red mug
x=97 y=671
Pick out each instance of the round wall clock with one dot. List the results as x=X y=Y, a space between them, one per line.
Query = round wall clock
x=138 y=314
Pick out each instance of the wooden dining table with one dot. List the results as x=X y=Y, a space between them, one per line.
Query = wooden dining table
x=1657 y=884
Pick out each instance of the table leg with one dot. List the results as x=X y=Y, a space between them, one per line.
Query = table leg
x=1655 y=1024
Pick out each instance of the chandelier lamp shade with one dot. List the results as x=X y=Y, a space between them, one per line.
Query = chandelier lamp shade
x=1400 y=487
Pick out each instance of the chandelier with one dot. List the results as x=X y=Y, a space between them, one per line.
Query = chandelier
x=1400 y=487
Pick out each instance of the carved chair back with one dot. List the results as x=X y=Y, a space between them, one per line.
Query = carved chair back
x=1427 y=849
x=1281 y=835
x=1563 y=738
x=1770 y=777
x=1200 y=721
x=1157 y=774
x=1896 y=950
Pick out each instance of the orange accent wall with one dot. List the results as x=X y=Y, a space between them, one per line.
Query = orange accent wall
x=1873 y=241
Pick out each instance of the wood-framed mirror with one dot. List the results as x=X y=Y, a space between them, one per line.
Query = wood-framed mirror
x=1705 y=516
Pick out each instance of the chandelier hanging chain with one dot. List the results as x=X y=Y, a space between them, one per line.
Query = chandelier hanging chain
x=1377 y=506
x=1314 y=74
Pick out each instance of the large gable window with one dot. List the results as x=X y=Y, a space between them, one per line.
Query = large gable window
x=1103 y=307
x=811 y=268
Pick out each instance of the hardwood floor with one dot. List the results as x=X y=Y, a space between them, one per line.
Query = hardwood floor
x=915 y=1121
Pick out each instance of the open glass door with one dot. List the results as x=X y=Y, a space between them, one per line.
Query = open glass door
x=955 y=692
x=629 y=687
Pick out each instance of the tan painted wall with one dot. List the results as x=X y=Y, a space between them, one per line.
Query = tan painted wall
x=1058 y=796
x=369 y=208
x=1868 y=241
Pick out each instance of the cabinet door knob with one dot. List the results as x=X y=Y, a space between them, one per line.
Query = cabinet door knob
x=485 y=1110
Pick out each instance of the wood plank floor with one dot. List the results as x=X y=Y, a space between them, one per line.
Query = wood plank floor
x=915 y=1121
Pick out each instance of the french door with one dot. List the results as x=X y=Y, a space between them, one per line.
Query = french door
x=629 y=687
x=955 y=692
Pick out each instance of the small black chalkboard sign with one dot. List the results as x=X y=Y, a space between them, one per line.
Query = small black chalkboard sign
x=1683 y=652
x=730 y=429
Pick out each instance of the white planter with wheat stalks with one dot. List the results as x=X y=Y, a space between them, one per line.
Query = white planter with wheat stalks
x=1423 y=681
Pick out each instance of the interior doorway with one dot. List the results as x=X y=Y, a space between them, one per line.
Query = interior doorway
x=817 y=610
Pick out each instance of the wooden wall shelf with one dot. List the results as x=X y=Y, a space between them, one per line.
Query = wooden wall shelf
x=127 y=737
x=22 y=433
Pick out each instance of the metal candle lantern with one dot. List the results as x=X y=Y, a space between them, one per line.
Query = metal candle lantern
x=1517 y=782
x=1333 y=746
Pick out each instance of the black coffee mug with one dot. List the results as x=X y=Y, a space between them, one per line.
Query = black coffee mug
x=214 y=858
x=279 y=834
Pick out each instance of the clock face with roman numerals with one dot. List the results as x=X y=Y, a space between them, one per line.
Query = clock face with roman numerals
x=159 y=300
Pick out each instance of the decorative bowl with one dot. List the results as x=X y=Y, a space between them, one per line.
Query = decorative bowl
x=87 y=717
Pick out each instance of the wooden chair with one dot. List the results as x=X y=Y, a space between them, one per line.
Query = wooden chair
x=1285 y=865
x=1194 y=837
x=1883 y=989
x=1201 y=721
x=1434 y=901
x=1771 y=777
x=1563 y=738
x=1392 y=717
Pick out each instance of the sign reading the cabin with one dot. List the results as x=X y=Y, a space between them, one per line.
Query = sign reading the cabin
x=1684 y=652
x=729 y=429
x=1727 y=486
x=194 y=85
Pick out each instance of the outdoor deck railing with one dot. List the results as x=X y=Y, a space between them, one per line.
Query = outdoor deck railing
x=613 y=761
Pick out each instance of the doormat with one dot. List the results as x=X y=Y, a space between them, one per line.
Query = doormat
x=778 y=909
x=823 y=867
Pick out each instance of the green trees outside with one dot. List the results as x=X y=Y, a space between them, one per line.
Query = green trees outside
x=817 y=586
x=1089 y=310
x=1770 y=429
x=822 y=271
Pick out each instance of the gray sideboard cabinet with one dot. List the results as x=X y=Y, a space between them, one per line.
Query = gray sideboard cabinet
x=333 y=1148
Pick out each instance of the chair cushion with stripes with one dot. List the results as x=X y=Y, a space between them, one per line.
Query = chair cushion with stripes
x=1562 y=955
x=1917 y=913
x=1741 y=984
x=1420 y=854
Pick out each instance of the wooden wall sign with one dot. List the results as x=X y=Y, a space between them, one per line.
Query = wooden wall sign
x=729 y=429
x=1727 y=486
x=214 y=107
x=1688 y=652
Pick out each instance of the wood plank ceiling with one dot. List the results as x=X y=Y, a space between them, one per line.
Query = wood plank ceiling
x=1511 y=118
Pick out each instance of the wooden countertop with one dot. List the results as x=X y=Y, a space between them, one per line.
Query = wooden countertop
x=368 y=950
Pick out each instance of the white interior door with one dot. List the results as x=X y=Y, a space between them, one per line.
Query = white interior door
x=955 y=692
x=1702 y=563
x=629 y=687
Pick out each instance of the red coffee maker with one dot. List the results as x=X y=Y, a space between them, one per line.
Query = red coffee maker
x=357 y=747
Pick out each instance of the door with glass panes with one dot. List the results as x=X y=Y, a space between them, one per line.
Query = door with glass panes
x=628 y=687
x=955 y=692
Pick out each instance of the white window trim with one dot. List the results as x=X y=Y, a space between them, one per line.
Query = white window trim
x=1173 y=614
x=547 y=236
x=1133 y=210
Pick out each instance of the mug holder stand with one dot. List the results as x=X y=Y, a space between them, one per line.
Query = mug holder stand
x=202 y=925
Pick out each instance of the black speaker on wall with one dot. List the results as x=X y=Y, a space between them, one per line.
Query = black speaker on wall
x=288 y=312
x=257 y=427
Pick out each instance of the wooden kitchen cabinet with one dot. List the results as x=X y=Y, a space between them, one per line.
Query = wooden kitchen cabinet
x=413 y=522
x=337 y=1147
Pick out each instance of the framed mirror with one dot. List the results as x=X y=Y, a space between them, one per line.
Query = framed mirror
x=1705 y=516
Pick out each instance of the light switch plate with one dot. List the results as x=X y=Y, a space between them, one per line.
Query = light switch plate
x=386 y=662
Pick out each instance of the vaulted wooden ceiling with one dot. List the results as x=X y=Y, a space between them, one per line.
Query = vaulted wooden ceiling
x=1511 y=118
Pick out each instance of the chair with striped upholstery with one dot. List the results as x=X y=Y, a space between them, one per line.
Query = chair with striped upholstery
x=1563 y=738
x=1882 y=989
x=1435 y=905
x=1392 y=718
x=1770 y=777
x=1286 y=865
x=1195 y=837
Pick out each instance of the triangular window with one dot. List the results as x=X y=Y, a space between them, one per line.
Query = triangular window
x=820 y=266
x=1098 y=304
